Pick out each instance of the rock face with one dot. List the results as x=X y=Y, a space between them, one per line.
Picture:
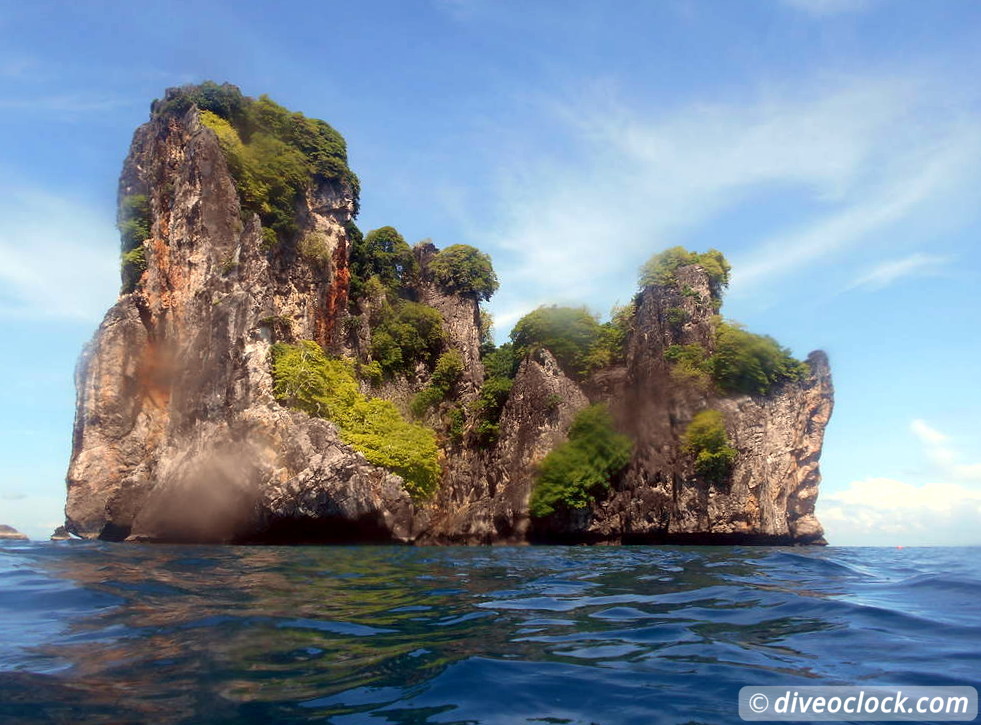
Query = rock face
x=9 y=533
x=179 y=437
x=177 y=434
x=770 y=495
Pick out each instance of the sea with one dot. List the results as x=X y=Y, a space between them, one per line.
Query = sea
x=116 y=633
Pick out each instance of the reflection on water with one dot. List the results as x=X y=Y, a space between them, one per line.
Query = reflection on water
x=116 y=633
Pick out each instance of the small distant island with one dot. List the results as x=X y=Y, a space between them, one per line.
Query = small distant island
x=9 y=533
x=271 y=374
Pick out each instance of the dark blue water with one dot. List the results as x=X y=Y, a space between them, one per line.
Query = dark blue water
x=97 y=633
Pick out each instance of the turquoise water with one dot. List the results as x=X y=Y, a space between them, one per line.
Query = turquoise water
x=101 y=633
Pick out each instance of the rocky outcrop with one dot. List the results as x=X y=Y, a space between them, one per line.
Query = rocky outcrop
x=9 y=533
x=179 y=435
x=769 y=496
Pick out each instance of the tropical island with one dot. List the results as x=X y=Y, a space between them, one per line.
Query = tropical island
x=271 y=374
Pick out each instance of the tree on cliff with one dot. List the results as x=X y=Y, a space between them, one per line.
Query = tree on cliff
x=660 y=269
x=381 y=253
x=464 y=269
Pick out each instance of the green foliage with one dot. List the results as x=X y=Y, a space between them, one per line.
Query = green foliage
x=747 y=363
x=133 y=221
x=133 y=267
x=661 y=268
x=690 y=366
x=501 y=362
x=743 y=362
x=608 y=349
x=315 y=248
x=223 y=100
x=447 y=373
x=273 y=154
x=463 y=269
x=486 y=332
x=572 y=474
x=456 y=419
x=372 y=372
x=448 y=370
x=574 y=336
x=706 y=438
x=406 y=335
x=382 y=254
x=500 y=367
x=305 y=378
x=676 y=317
x=569 y=333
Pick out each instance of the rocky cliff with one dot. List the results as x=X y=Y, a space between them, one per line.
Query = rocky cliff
x=186 y=429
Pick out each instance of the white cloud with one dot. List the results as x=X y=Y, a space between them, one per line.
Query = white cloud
x=889 y=271
x=943 y=512
x=949 y=462
x=58 y=258
x=922 y=430
x=884 y=511
x=863 y=153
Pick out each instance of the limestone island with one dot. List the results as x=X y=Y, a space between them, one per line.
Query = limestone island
x=269 y=374
x=9 y=533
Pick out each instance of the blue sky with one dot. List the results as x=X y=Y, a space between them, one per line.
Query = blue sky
x=830 y=148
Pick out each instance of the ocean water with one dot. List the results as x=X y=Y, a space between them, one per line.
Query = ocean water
x=102 y=633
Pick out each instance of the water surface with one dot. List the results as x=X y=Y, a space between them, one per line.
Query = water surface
x=103 y=633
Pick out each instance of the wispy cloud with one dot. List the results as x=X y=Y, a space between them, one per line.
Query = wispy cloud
x=65 y=103
x=949 y=462
x=863 y=154
x=58 y=258
x=828 y=7
x=886 y=273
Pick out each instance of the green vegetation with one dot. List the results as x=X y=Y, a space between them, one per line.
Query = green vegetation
x=661 y=268
x=743 y=362
x=315 y=248
x=382 y=254
x=676 y=317
x=574 y=336
x=456 y=418
x=133 y=221
x=463 y=269
x=305 y=378
x=134 y=265
x=748 y=363
x=691 y=366
x=372 y=372
x=446 y=374
x=500 y=367
x=405 y=335
x=707 y=440
x=272 y=153
x=569 y=333
x=572 y=474
x=608 y=349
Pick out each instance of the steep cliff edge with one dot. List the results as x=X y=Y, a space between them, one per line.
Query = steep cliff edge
x=202 y=416
x=178 y=435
